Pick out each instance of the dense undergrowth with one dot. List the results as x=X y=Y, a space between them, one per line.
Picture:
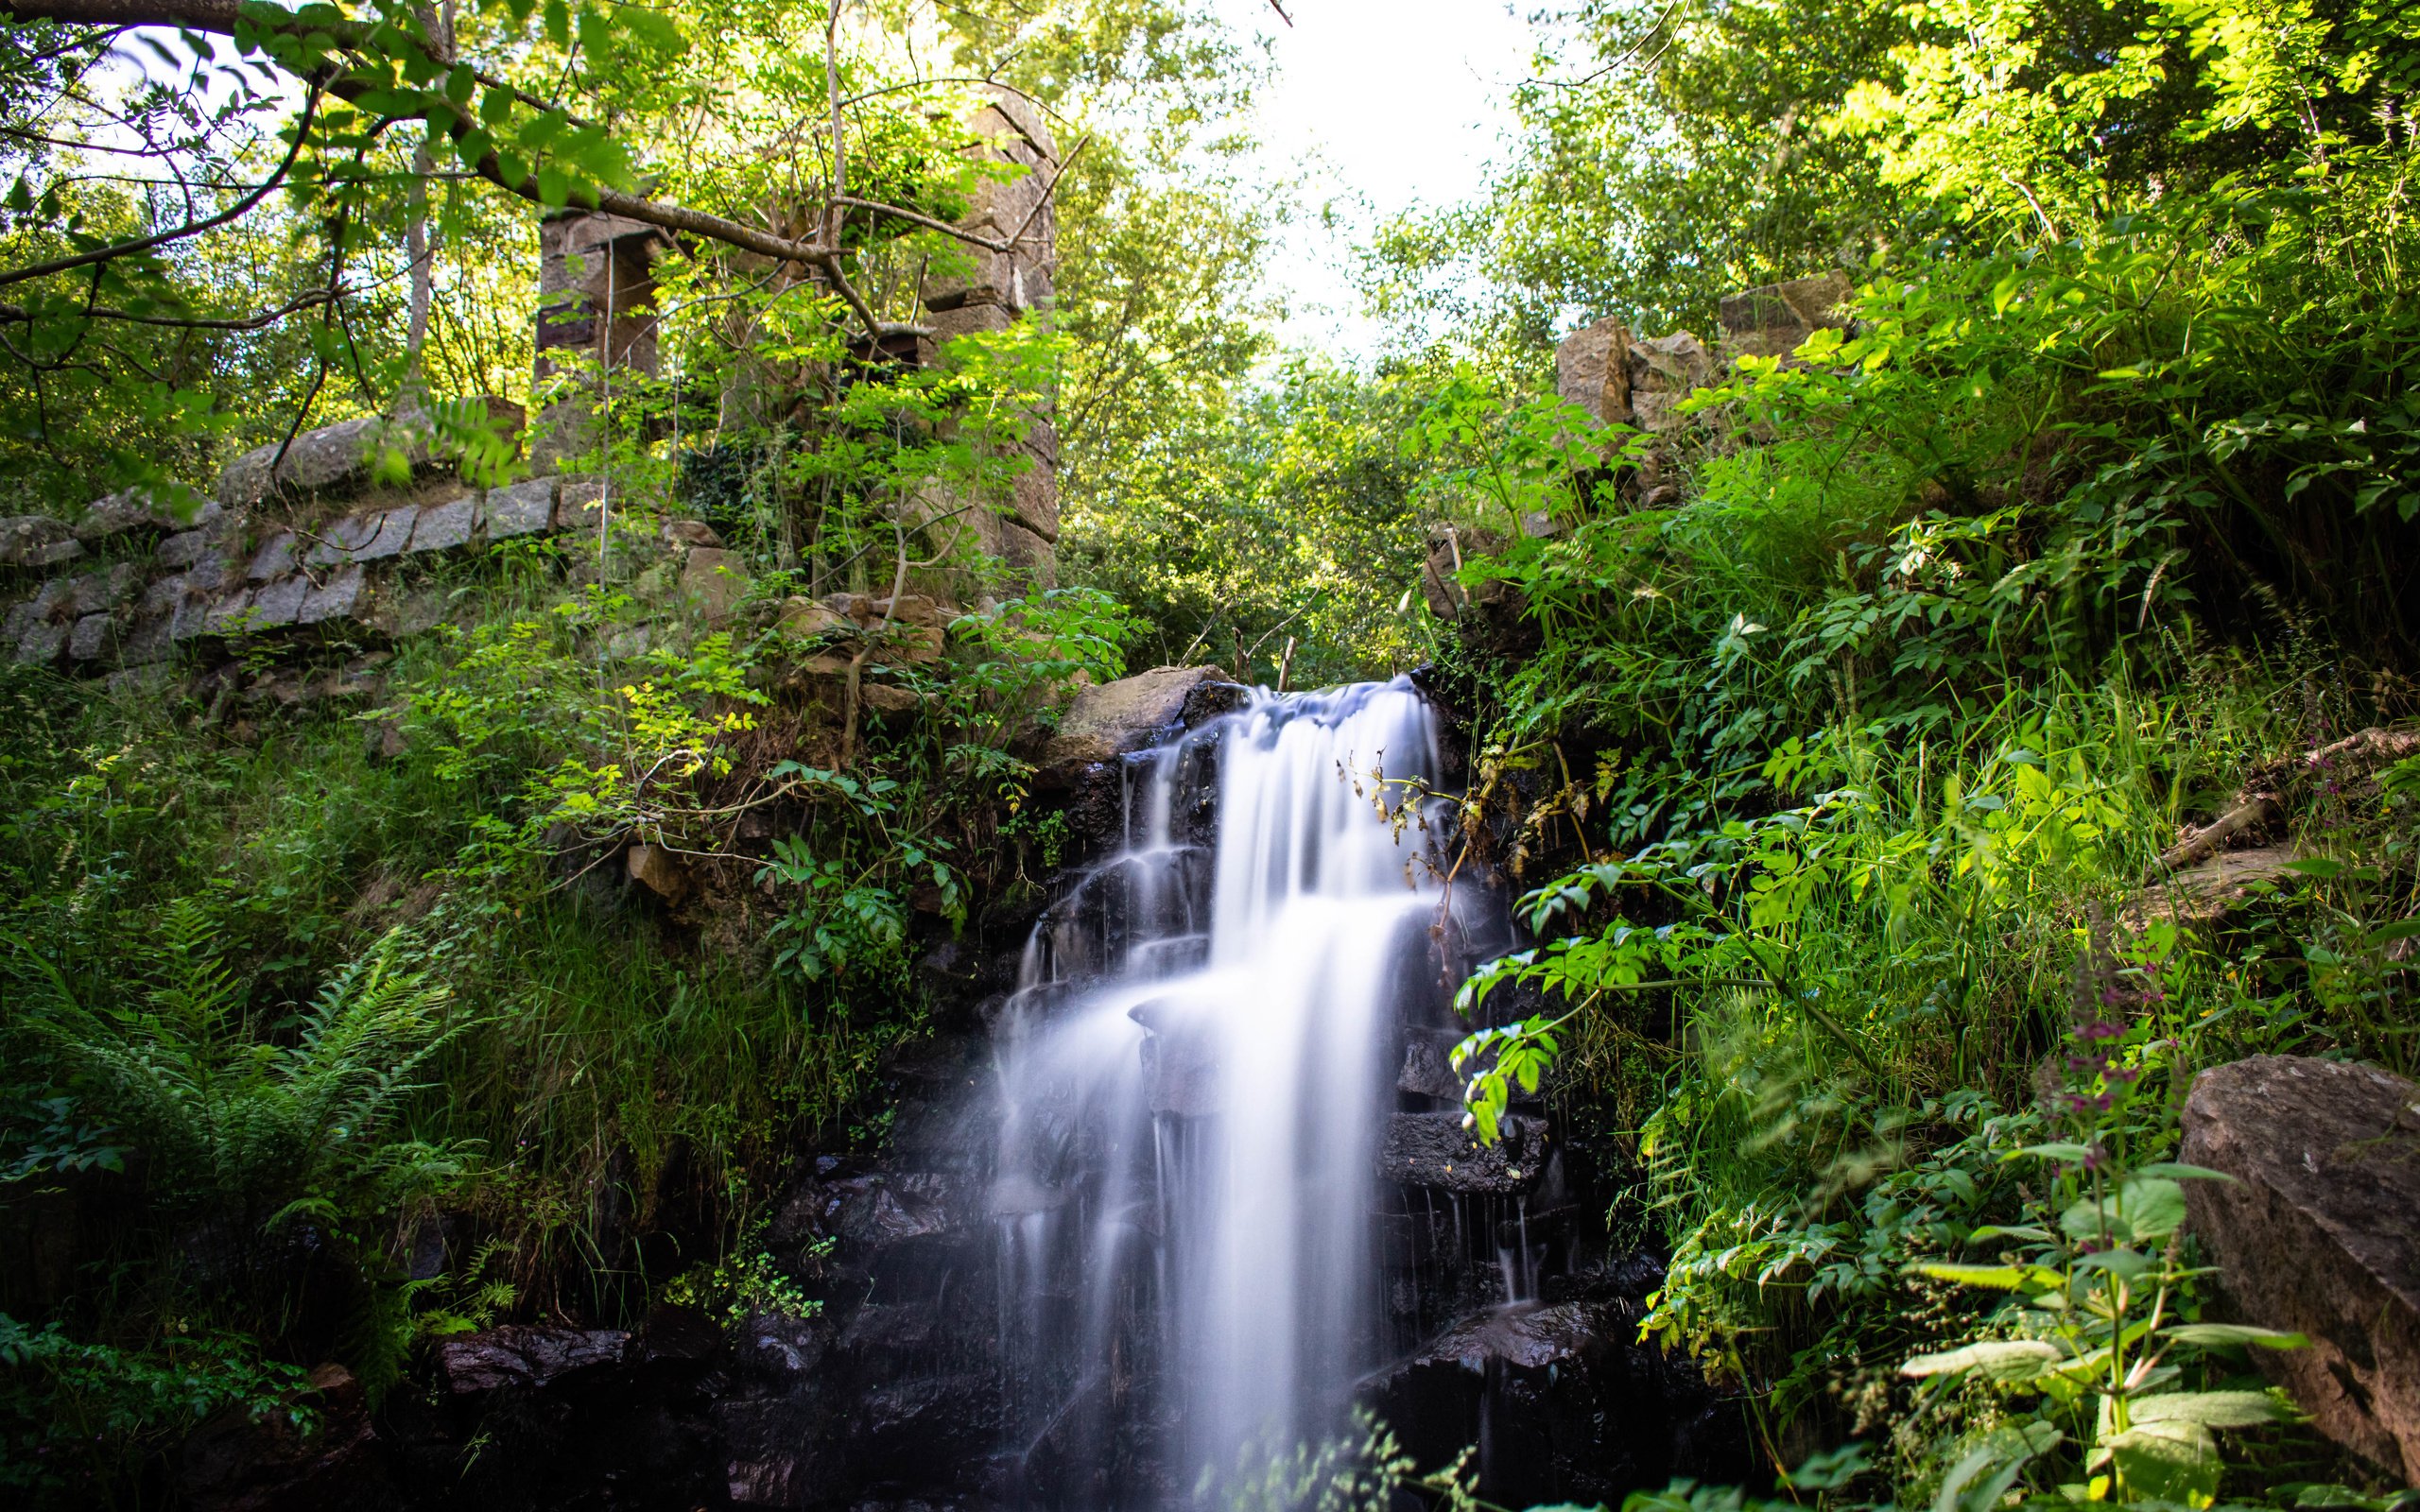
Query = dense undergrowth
x=1835 y=779
x=298 y=993
x=1841 y=786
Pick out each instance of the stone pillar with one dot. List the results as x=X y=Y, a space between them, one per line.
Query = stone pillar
x=597 y=303
x=978 y=289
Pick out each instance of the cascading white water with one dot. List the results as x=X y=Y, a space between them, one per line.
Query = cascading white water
x=1192 y=1085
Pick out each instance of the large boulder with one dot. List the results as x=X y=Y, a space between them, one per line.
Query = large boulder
x=527 y=1356
x=1592 y=369
x=2319 y=1233
x=1773 y=320
x=1132 y=714
x=1566 y=1406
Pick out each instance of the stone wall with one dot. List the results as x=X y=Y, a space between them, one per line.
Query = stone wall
x=316 y=542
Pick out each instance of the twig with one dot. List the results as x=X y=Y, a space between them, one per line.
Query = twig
x=143 y=244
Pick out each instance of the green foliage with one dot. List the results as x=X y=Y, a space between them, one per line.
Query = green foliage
x=73 y=1416
x=1860 y=729
x=748 y=1282
x=1363 y=1471
x=251 y=1129
x=1290 y=515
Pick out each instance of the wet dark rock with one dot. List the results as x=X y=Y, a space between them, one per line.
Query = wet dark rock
x=1435 y=1150
x=2319 y=1234
x=778 y=1347
x=877 y=1210
x=1562 y=1405
x=1426 y=1073
x=1180 y=1060
x=676 y=1334
x=527 y=1356
x=903 y=1431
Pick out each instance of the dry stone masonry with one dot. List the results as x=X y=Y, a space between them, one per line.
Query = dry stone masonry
x=316 y=536
x=129 y=585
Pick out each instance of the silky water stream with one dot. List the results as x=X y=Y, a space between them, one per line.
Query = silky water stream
x=1194 y=1075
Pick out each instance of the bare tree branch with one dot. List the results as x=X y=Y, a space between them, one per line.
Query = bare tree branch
x=222 y=16
x=191 y=228
x=18 y=313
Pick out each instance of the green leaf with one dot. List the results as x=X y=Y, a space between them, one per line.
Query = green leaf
x=2167 y=1461
x=1998 y=1277
x=2051 y=1152
x=2000 y=1358
x=2212 y=1335
x=2153 y=1206
x=2210 y=1409
x=1994 y=1231
x=2178 y=1171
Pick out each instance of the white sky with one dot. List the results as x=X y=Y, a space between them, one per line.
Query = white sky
x=1387 y=104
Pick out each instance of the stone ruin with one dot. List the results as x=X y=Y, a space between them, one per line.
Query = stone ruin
x=1623 y=379
x=318 y=537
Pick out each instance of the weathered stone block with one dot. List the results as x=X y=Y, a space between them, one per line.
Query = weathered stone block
x=215 y=571
x=345 y=540
x=950 y=324
x=1434 y=1150
x=41 y=644
x=804 y=619
x=92 y=638
x=714 y=580
x=911 y=609
x=658 y=871
x=393 y=533
x=37 y=541
x=2319 y=1234
x=527 y=1356
x=96 y=592
x=227 y=614
x=1015 y=115
x=444 y=526
x=1663 y=371
x=1592 y=371
x=142 y=509
x=689 y=533
x=522 y=510
x=1042 y=441
x=581 y=501
x=275 y=559
x=1426 y=1073
x=42 y=605
x=332 y=459
x=1033 y=501
x=149 y=641
x=183 y=549
x=1107 y=721
x=339 y=598
x=190 y=618
x=279 y=604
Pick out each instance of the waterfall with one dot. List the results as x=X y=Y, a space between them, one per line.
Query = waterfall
x=1193 y=1076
